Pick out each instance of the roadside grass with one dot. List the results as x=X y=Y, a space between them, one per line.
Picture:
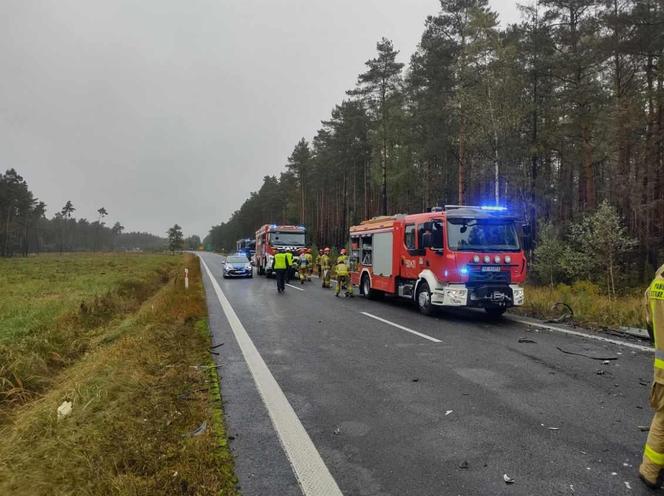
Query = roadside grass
x=144 y=386
x=591 y=308
x=53 y=306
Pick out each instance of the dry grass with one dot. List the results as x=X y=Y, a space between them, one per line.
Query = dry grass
x=591 y=308
x=143 y=386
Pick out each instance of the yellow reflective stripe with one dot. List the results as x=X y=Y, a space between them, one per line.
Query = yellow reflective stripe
x=653 y=456
x=659 y=363
x=656 y=290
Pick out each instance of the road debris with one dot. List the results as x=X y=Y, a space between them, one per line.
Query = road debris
x=416 y=379
x=216 y=346
x=448 y=412
x=628 y=485
x=526 y=340
x=464 y=465
x=566 y=315
x=200 y=429
x=588 y=352
x=614 y=473
x=508 y=479
x=64 y=409
x=550 y=428
x=644 y=428
x=337 y=431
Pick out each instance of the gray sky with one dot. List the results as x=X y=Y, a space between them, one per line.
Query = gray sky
x=168 y=111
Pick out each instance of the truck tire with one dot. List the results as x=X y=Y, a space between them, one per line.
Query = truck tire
x=365 y=288
x=495 y=312
x=423 y=298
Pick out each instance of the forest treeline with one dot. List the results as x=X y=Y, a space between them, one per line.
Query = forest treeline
x=551 y=116
x=25 y=229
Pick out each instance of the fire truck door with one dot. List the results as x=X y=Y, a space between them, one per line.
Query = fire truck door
x=409 y=256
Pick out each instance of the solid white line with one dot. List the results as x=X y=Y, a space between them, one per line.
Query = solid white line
x=313 y=475
x=294 y=287
x=402 y=327
x=580 y=334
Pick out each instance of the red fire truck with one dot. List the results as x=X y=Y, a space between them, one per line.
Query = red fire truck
x=451 y=256
x=270 y=238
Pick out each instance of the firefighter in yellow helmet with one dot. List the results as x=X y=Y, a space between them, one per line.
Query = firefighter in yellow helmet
x=325 y=265
x=310 y=263
x=343 y=275
x=653 y=453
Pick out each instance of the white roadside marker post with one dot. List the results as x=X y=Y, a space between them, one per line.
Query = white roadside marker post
x=186 y=278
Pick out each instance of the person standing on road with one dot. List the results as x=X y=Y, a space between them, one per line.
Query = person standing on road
x=302 y=265
x=289 y=272
x=319 y=270
x=653 y=453
x=325 y=266
x=310 y=264
x=343 y=276
x=280 y=266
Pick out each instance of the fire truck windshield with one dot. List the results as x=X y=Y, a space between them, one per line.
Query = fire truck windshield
x=287 y=239
x=482 y=235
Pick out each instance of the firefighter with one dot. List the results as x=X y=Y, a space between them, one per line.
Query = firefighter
x=302 y=265
x=653 y=454
x=280 y=266
x=343 y=276
x=310 y=263
x=291 y=266
x=324 y=270
x=319 y=270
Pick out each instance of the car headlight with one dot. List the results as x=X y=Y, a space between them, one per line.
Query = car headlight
x=487 y=259
x=508 y=259
x=247 y=266
x=227 y=268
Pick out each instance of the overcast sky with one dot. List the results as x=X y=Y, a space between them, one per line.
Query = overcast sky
x=167 y=111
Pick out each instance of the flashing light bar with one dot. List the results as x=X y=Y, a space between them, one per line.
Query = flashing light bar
x=494 y=208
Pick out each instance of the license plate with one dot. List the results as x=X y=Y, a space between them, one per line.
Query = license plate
x=490 y=269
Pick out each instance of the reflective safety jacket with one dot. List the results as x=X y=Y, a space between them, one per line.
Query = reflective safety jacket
x=310 y=258
x=341 y=267
x=324 y=261
x=303 y=260
x=280 y=261
x=289 y=257
x=655 y=317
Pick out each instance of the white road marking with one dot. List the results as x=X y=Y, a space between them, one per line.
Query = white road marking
x=580 y=334
x=294 y=287
x=313 y=475
x=398 y=326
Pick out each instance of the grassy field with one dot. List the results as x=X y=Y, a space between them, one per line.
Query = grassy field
x=591 y=308
x=119 y=337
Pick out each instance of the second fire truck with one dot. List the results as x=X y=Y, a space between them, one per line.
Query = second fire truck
x=271 y=237
x=457 y=256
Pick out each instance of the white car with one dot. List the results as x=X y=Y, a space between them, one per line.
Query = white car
x=237 y=266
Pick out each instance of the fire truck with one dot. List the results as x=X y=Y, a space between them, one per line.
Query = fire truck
x=455 y=256
x=270 y=238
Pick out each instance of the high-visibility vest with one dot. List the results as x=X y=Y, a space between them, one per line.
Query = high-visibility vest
x=289 y=257
x=280 y=261
x=341 y=267
x=655 y=295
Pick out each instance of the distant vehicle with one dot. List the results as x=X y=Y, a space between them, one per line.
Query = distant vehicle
x=271 y=237
x=246 y=246
x=457 y=256
x=237 y=266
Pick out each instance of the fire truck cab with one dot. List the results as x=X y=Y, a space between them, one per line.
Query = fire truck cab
x=271 y=237
x=453 y=256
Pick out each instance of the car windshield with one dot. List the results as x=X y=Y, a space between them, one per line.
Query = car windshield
x=237 y=260
x=287 y=239
x=481 y=235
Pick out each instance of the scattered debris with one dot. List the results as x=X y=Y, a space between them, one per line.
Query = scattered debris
x=417 y=379
x=568 y=314
x=448 y=412
x=588 y=352
x=627 y=485
x=200 y=429
x=64 y=409
x=508 y=479
x=553 y=428
x=606 y=362
x=464 y=465
x=644 y=428
x=600 y=372
x=216 y=346
x=614 y=473
x=643 y=382
x=231 y=438
x=337 y=431
x=527 y=340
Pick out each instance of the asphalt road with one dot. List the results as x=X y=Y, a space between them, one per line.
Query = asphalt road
x=396 y=413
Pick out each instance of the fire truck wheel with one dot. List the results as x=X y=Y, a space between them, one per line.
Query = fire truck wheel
x=365 y=287
x=424 y=299
x=495 y=312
